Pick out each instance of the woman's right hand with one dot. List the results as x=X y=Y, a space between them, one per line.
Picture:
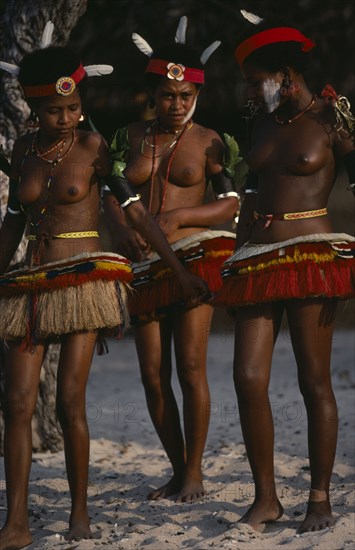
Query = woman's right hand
x=195 y=290
x=129 y=243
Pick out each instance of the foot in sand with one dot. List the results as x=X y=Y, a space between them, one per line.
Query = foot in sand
x=79 y=529
x=261 y=512
x=192 y=489
x=318 y=516
x=171 y=488
x=14 y=539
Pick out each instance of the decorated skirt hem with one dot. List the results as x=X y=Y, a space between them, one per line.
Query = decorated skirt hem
x=304 y=270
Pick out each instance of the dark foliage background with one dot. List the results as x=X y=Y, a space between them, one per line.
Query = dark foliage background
x=103 y=35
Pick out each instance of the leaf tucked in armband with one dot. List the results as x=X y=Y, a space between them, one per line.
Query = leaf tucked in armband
x=118 y=150
x=231 y=155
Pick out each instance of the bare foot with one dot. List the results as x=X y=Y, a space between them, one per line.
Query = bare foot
x=261 y=512
x=79 y=530
x=167 y=490
x=318 y=516
x=192 y=489
x=14 y=539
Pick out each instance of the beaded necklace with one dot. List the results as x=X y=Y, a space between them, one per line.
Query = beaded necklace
x=292 y=119
x=175 y=142
x=166 y=146
x=53 y=162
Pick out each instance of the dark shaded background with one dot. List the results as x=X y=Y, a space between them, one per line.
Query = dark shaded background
x=103 y=35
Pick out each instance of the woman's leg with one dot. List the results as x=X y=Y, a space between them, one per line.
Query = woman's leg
x=21 y=380
x=311 y=325
x=191 y=331
x=153 y=343
x=255 y=335
x=73 y=371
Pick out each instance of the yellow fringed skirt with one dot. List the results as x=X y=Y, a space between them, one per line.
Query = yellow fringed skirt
x=86 y=292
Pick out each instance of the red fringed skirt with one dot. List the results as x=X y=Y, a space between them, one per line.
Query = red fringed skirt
x=155 y=286
x=86 y=292
x=307 y=266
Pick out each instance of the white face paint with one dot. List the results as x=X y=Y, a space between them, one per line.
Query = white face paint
x=191 y=111
x=271 y=91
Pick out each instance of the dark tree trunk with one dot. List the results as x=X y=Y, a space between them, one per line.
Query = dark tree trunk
x=21 y=29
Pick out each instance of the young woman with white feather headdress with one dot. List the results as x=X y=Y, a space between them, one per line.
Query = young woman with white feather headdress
x=170 y=160
x=68 y=289
x=288 y=258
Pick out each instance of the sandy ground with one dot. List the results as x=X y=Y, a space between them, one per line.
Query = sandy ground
x=127 y=460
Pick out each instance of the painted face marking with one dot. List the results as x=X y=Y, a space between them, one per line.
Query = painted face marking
x=271 y=92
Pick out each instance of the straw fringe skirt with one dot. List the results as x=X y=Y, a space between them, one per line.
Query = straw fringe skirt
x=303 y=267
x=156 y=288
x=86 y=292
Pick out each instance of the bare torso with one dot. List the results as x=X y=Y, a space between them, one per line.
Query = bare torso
x=193 y=158
x=70 y=204
x=297 y=169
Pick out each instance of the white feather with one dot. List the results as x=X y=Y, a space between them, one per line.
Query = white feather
x=180 y=36
x=251 y=17
x=142 y=44
x=47 y=34
x=10 y=68
x=209 y=51
x=98 y=70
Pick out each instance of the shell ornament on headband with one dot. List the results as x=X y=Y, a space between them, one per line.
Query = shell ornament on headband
x=170 y=69
x=65 y=85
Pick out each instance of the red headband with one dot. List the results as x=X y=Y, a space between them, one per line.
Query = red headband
x=64 y=85
x=272 y=36
x=175 y=71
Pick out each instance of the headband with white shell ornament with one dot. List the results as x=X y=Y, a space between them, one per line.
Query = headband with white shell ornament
x=169 y=68
x=66 y=84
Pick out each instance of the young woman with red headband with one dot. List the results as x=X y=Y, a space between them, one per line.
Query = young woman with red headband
x=288 y=260
x=69 y=289
x=170 y=160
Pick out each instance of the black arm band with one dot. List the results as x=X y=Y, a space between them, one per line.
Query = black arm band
x=121 y=189
x=251 y=183
x=223 y=186
x=349 y=163
x=13 y=204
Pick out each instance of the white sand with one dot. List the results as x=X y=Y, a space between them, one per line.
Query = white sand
x=127 y=460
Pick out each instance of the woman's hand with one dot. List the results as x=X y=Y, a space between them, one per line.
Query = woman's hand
x=195 y=290
x=169 y=222
x=130 y=244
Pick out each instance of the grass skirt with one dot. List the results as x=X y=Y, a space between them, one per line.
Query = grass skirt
x=86 y=292
x=307 y=266
x=155 y=286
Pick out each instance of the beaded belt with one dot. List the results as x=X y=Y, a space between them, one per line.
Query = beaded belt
x=73 y=235
x=268 y=218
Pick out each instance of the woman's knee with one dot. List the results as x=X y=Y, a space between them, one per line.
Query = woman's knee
x=250 y=379
x=191 y=372
x=315 y=386
x=18 y=406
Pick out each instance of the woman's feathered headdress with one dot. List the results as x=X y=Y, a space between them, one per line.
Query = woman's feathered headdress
x=65 y=85
x=172 y=70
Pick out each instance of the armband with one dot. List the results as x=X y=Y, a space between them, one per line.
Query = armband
x=223 y=186
x=121 y=189
x=118 y=150
x=349 y=163
x=251 y=183
x=13 y=204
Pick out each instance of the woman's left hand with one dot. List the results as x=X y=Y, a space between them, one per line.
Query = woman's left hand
x=168 y=222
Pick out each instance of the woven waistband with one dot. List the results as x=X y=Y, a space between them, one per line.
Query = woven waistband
x=268 y=218
x=73 y=235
